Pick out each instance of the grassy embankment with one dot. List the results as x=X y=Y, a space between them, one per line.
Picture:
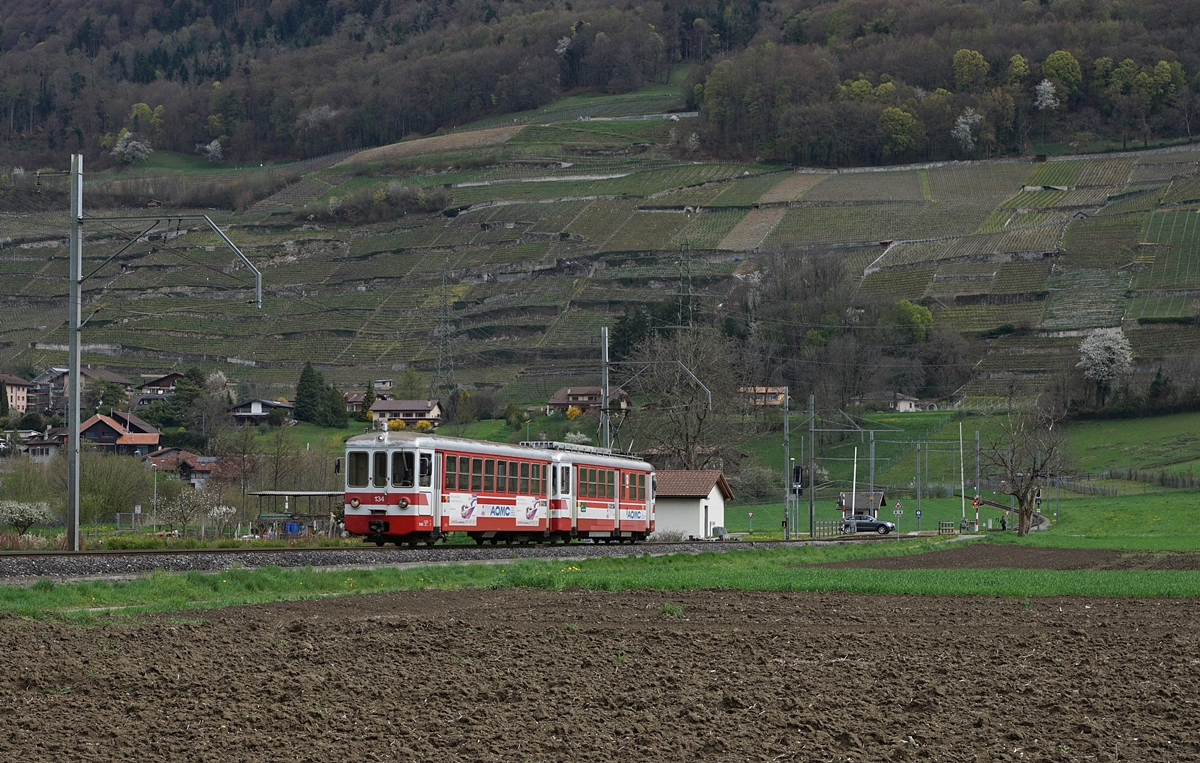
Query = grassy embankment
x=1138 y=523
x=782 y=570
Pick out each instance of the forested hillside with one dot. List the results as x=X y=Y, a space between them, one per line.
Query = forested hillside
x=802 y=81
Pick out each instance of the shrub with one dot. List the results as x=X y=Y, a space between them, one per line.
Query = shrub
x=424 y=426
x=574 y=412
x=666 y=536
x=755 y=483
x=577 y=438
x=395 y=425
x=375 y=204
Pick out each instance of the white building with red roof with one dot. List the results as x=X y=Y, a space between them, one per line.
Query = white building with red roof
x=690 y=502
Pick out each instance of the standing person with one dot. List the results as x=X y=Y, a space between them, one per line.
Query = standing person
x=1004 y=522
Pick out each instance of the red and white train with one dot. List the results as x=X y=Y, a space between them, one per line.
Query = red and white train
x=406 y=487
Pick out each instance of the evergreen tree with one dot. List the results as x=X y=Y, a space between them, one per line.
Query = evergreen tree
x=368 y=401
x=332 y=409
x=309 y=393
x=3 y=400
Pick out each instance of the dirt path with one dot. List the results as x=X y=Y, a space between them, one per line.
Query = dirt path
x=453 y=141
x=792 y=186
x=531 y=675
x=753 y=228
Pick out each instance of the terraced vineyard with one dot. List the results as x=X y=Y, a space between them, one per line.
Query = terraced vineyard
x=557 y=224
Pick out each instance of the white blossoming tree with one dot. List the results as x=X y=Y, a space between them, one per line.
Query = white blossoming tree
x=131 y=148
x=1045 y=98
x=963 y=127
x=22 y=516
x=1106 y=358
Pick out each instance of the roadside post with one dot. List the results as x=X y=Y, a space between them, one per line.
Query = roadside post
x=749 y=514
x=897 y=512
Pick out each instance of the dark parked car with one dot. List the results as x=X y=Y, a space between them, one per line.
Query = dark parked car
x=865 y=523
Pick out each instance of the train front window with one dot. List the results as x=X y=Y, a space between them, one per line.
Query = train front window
x=426 y=477
x=402 y=469
x=356 y=469
x=379 y=478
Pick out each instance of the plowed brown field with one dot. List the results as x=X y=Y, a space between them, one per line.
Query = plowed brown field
x=532 y=675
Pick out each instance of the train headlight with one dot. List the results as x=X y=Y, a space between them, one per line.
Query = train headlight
x=403 y=503
x=355 y=503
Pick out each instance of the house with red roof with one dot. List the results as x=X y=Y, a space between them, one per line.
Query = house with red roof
x=691 y=502
x=121 y=433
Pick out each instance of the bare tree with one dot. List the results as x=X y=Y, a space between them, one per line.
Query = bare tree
x=1024 y=455
x=678 y=420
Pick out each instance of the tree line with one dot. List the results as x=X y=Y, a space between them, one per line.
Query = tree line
x=857 y=81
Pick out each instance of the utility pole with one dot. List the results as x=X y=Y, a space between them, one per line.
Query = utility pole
x=812 y=473
x=976 y=463
x=873 y=463
x=74 y=310
x=76 y=323
x=918 y=476
x=788 y=481
x=605 y=425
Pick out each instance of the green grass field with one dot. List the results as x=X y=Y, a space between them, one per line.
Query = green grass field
x=765 y=570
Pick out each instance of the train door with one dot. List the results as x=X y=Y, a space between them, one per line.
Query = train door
x=429 y=502
x=564 y=482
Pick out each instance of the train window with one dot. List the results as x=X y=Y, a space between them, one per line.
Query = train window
x=538 y=481
x=489 y=475
x=356 y=469
x=592 y=482
x=501 y=476
x=513 y=486
x=524 y=478
x=402 y=469
x=379 y=478
x=476 y=475
x=426 y=479
x=611 y=484
x=566 y=480
x=464 y=474
x=451 y=472
x=554 y=480
x=641 y=487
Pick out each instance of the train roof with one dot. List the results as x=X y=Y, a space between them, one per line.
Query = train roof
x=551 y=451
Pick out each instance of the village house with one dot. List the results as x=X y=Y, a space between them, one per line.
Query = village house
x=889 y=401
x=690 y=502
x=120 y=433
x=191 y=468
x=41 y=448
x=861 y=503
x=763 y=395
x=586 y=399
x=17 y=392
x=163 y=385
x=411 y=412
x=48 y=390
x=258 y=411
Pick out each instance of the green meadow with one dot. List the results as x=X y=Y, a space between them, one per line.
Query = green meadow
x=1141 y=523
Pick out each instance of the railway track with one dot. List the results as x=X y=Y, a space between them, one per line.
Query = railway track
x=23 y=567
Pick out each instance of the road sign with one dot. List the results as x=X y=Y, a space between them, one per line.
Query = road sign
x=918 y=513
x=898 y=512
x=750 y=514
x=898 y=505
